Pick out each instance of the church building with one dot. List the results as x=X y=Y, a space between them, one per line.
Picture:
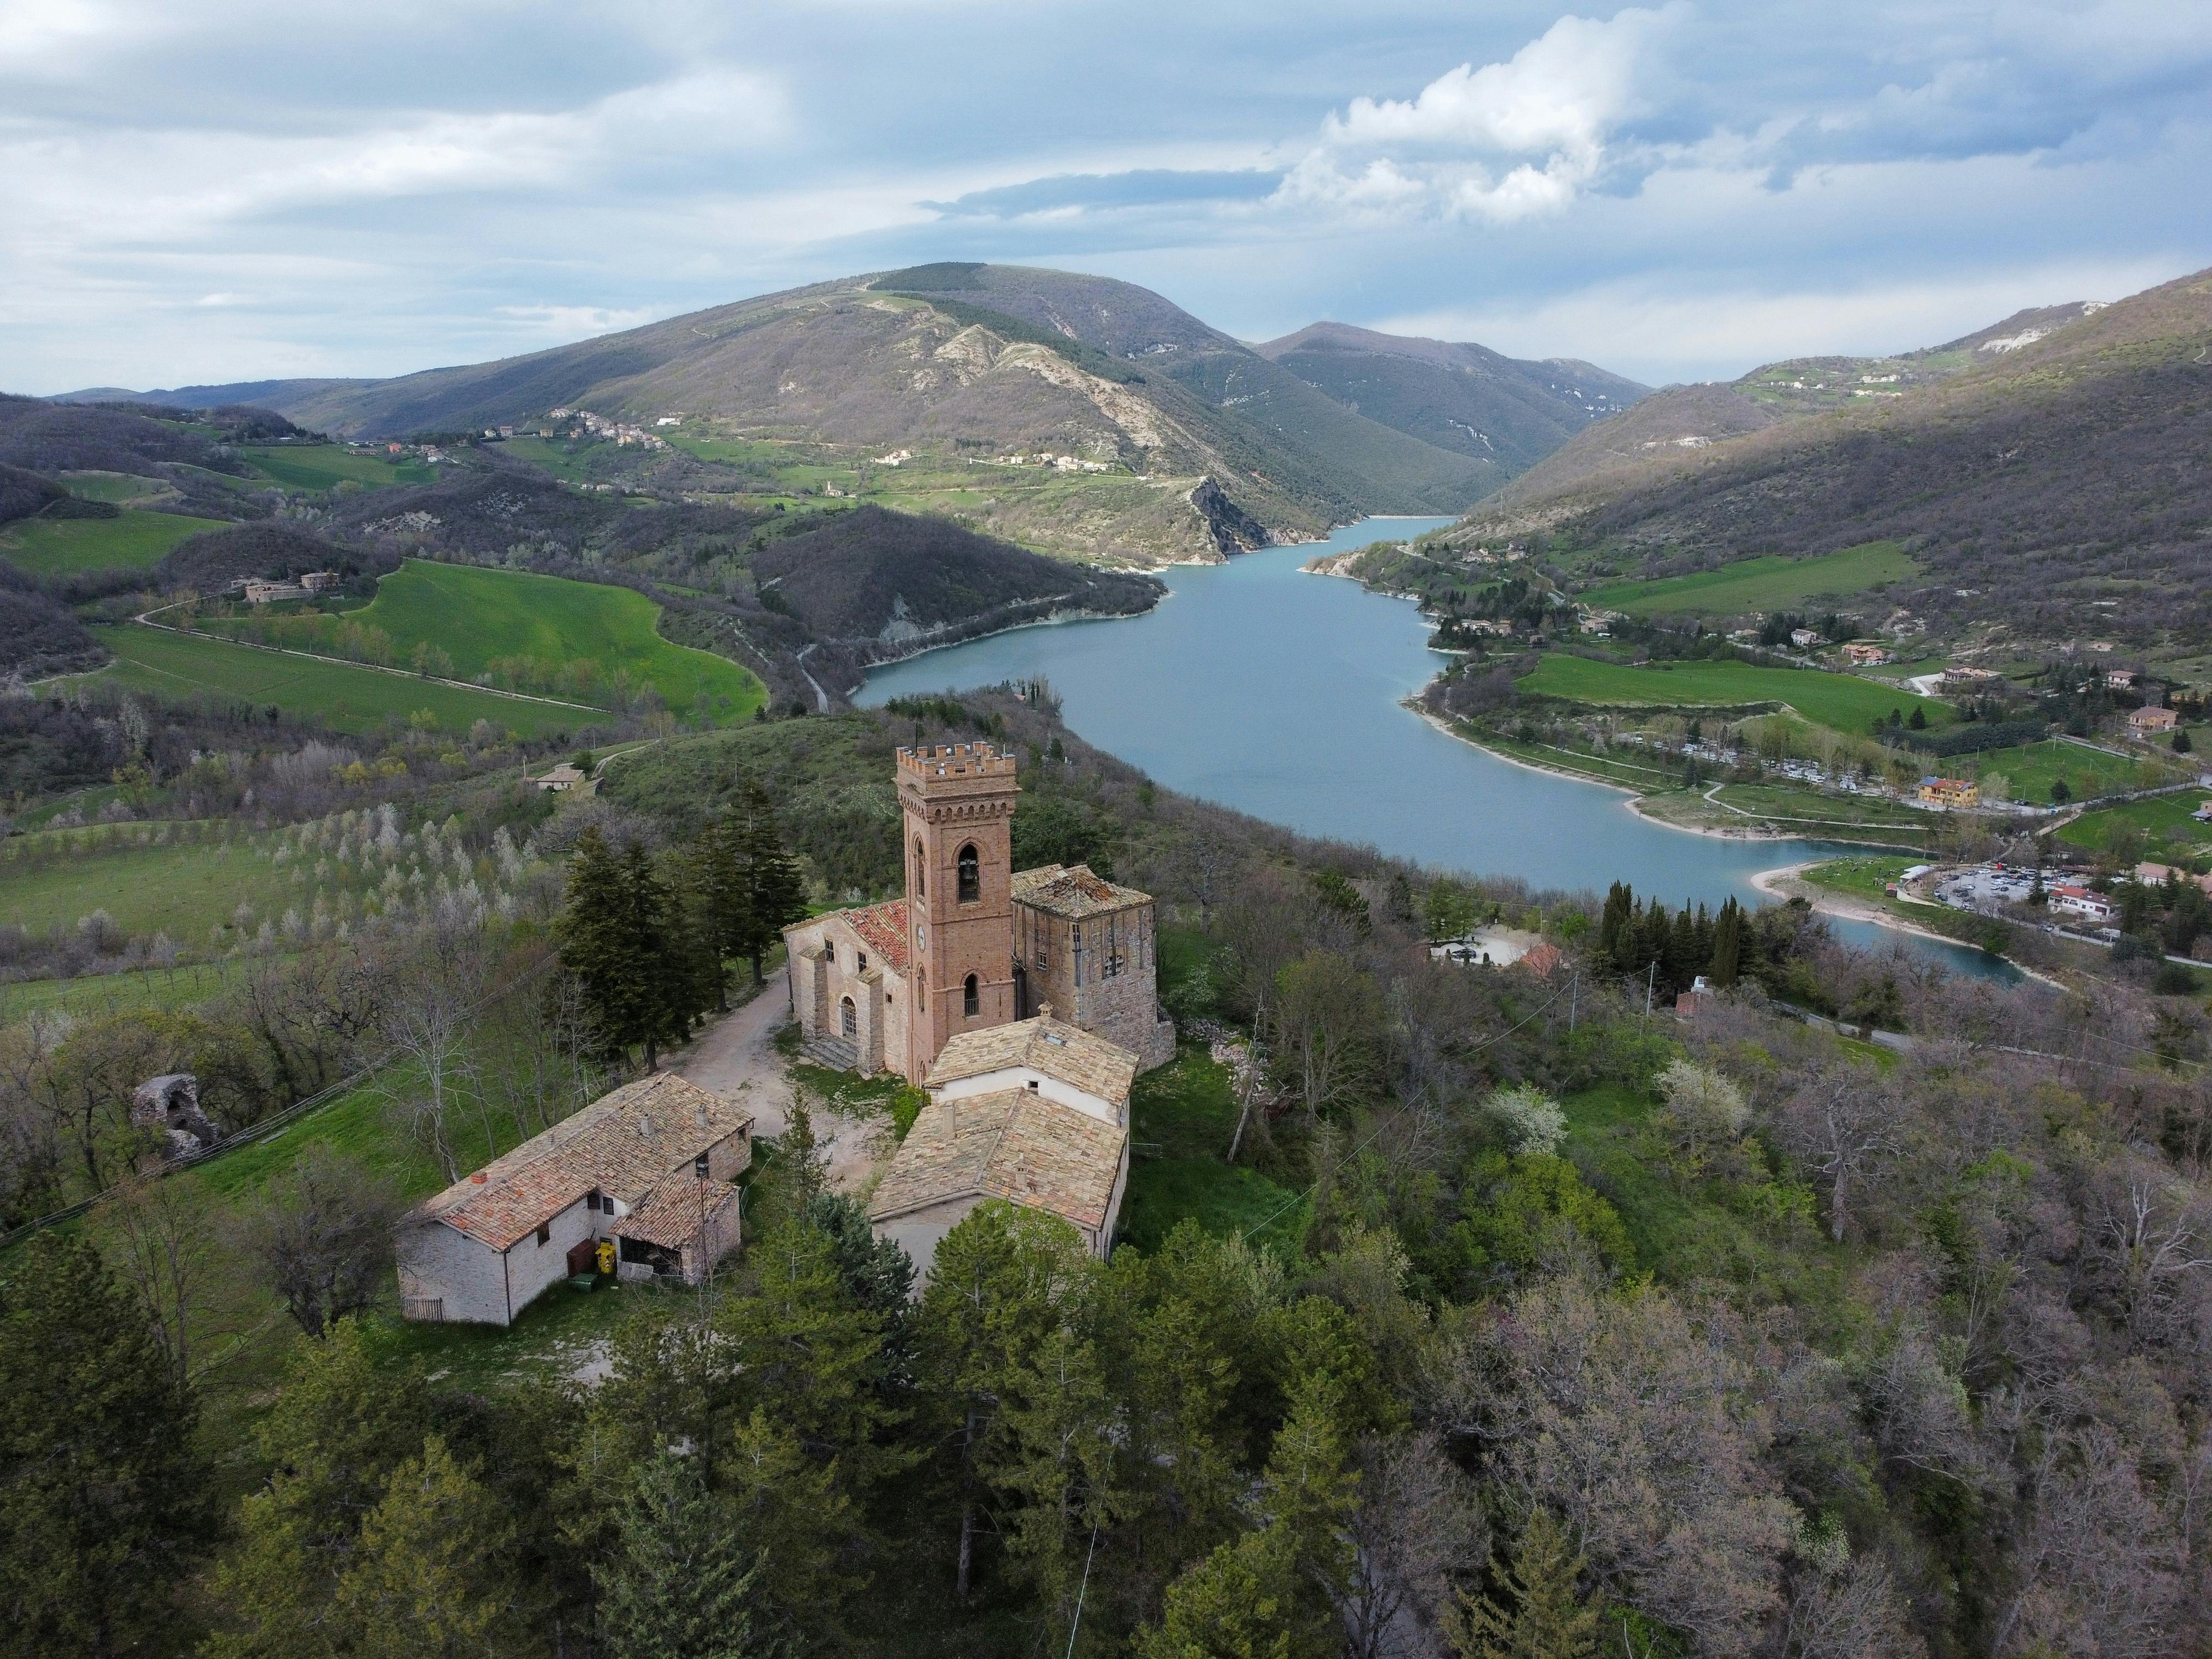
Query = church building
x=974 y=944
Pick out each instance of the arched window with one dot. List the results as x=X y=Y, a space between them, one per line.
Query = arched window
x=848 y=1019
x=921 y=870
x=971 y=999
x=971 y=875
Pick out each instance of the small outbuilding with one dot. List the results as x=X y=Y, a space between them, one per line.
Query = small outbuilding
x=171 y=1104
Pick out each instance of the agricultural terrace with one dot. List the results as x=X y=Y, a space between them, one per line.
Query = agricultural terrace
x=581 y=641
x=1771 y=583
x=2165 y=823
x=133 y=540
x=343 y=696
x=1841 y=700
x=323 y=466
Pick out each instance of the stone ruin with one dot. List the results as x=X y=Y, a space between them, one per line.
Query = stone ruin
x=172 y=1105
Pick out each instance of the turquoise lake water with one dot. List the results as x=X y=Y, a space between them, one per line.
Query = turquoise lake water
x=1278 y=693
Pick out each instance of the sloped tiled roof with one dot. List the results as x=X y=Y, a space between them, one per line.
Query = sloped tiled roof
x=621 y=1143
x=883 y=928
x=1058 y=1049
x=1072 y=891
x=1012 y=1144
x=671 y=1216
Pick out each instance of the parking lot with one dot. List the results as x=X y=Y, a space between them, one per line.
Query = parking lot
x=1984 y=889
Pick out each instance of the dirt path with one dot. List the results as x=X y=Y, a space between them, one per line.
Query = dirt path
x=737 y=1056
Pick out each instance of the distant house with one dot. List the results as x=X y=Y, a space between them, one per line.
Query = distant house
x=2120 y=679
x=264 y=592
x=1861 y=655
x=2071 y=899
x=1958 y=678
x=1036 y=1113
x=1949 y=793
x=650 y=1169
x=1690 y=1003
x=1499 y=947
x=319 y=582
x=1804 y=638
x=2149 y=722
x=2203 y=813
x=563 y=779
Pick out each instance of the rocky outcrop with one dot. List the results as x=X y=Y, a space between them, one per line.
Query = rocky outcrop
x=1233 y=529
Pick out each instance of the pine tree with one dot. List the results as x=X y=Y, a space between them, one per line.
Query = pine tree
x=678 y=1584
x=103 y=1490
x=1549 y=1620
x=1616 y=926
x=429 y=1575
x=774 y=892
x=719 y=866
x=599 y=947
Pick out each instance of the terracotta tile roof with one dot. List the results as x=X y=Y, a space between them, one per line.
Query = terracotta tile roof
x=621 y=1143
x=1058 y=1049
x=883 y=928
x=1012 y=1144
x=1072 y=891
x=670 y=1216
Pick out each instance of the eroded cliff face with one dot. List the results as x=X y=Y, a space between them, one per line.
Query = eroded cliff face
x=1232 y=529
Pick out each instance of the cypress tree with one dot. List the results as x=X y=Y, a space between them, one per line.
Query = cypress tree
x=774 y=893
x=1549 y=1619
x=1727 y=945
x=667 y=980
x=598 y=943
x=1616 y=926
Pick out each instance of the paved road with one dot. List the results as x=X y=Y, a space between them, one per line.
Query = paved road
x=737 y=1056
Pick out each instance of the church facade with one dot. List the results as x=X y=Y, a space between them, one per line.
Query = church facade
x=974 y=944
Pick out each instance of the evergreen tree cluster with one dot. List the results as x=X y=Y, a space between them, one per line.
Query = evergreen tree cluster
x=647 y=937
x=1673 y=950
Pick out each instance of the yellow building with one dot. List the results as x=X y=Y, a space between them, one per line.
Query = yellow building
x=1950 y=792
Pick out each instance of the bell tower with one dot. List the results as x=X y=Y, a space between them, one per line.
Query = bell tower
x=958 y=802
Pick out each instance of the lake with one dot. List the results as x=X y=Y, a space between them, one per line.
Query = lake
x=1278 y=694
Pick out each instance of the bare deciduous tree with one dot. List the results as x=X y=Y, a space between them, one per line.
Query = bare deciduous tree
x=437 y=977
x=1416 y=1524
x=1843 y=1123
x=323 y=1232
x=164 y=1234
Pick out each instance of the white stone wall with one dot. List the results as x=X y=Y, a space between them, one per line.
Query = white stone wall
x=443 y=1264
x=1048 y=1087
x=533 y=1269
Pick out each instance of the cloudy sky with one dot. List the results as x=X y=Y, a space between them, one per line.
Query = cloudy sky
x=198 y=193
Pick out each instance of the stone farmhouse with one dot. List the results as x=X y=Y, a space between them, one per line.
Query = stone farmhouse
x=650 y=1169
x=974 y=944
x=1035 y=1112
x=2149 y=722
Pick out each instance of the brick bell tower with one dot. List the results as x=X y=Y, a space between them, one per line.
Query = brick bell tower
x=959 y=800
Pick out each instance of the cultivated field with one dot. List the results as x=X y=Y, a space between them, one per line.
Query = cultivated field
x=2031 y=769
x=343 y=695
x=483 y=617
x=1758 y=585
x=63 y=547
x=320 y=466
x=1841 y=700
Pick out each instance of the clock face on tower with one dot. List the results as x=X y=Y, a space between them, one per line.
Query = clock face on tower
x=921 y=936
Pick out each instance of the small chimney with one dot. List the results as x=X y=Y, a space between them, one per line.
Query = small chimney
x=479 y=1177
x=705 y=1121
x=1044 y=1010
x=644 y=1125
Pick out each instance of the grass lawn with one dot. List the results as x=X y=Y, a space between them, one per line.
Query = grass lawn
x=343 y=695
x=2031 y=768
x=1860 y=877
x=120 y=488
x=2164 y=821
x=478 y=616
x=63 y=547
x=320 y=466
x=1182 y=1114
x=1841 y=700
x=1756 y=585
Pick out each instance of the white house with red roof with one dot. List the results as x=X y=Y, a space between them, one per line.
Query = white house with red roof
x=650 y=1169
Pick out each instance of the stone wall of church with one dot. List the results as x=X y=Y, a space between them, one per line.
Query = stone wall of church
x=1100 y=973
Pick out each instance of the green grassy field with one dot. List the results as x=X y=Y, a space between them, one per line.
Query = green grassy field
x=181 y=890
x=340 y=694
x=320 y=466
x=63 y=547
x=479 y=616
x=2164 y=821
x=2031 y=769
x=1184 y=1114
x=1757 y=585
x=1841 y=700
x=96 y=995
x=1860 y=877
x=120 y=488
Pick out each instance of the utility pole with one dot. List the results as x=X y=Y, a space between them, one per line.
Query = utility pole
x=1651 y=978
x=1574 y=996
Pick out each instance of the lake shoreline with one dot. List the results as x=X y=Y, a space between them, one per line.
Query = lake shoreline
x=1636 y=796
x=1787 y=882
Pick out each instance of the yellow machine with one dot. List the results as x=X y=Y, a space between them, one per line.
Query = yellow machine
x=606 y=1253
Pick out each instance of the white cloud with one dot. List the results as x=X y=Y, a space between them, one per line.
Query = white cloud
x=575 y=322
x=1509 y=141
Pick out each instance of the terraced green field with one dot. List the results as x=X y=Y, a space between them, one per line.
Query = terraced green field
x=320 y=466
x=1844 y=702
x=340 y=694
x=479 y=616
x=181 y=890
x=1757 y=585
x=63 y=547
